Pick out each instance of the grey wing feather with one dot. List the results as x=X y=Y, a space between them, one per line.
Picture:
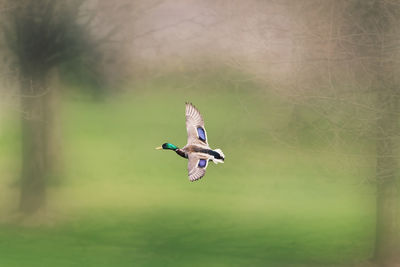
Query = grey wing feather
x=193 y=121
x=194 y=171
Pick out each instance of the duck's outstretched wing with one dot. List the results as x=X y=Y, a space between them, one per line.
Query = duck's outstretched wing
x=195 y=126
x=196 y=167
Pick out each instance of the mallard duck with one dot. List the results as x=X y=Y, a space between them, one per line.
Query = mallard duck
x=197 y=150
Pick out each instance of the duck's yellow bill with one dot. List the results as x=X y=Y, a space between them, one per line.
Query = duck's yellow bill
x=158 y=148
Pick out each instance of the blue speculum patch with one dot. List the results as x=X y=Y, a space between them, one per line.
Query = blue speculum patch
x=201 y=133
x=202 y=163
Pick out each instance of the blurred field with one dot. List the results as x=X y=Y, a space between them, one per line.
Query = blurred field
x=122 y=203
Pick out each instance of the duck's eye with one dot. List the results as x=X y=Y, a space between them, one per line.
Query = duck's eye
x=201 y=133
x=202 y=163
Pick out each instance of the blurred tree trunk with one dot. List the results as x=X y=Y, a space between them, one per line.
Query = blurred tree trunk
x=41 y=34
x=44 y=36
x=52 y=131
x=41 y=133
x=33 y=180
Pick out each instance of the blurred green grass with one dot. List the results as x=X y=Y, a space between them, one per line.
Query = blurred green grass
x=122 y=203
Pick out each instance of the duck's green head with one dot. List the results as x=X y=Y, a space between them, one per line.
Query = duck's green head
x=168 y=146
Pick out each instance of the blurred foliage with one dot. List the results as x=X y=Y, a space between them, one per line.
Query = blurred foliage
x=43 y=34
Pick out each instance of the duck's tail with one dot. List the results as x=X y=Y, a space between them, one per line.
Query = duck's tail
x=221 y=158
x=219 y=151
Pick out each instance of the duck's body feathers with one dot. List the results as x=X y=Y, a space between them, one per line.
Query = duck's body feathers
x=197 y=149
